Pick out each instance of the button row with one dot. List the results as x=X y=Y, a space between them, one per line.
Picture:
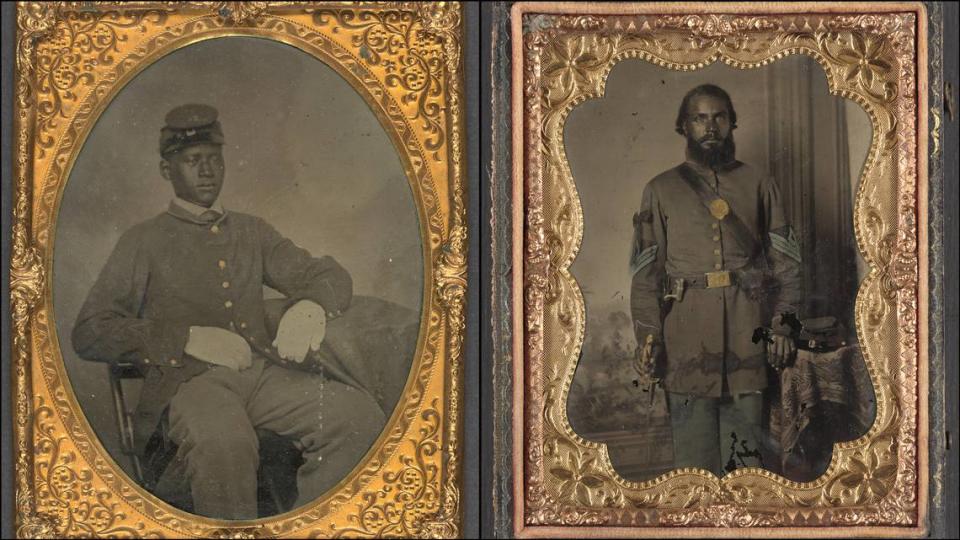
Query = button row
x=716 y=238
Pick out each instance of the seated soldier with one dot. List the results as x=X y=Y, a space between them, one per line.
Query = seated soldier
x=181 y=297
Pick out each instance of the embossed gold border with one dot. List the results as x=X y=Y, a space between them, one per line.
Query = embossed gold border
x=873 y=54
x=404 y=58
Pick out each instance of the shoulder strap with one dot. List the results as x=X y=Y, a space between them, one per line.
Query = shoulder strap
x=741 y=233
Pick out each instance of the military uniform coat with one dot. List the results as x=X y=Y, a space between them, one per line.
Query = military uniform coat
x=176 y=271
x=707 y=335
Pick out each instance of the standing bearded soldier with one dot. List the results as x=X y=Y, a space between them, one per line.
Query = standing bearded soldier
x=713 y=259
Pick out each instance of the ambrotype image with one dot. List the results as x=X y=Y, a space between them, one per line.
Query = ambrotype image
x=719 y=269
x=238 y=278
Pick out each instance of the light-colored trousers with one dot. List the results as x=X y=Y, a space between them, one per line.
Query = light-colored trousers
x=213 y=418
x=718 y=434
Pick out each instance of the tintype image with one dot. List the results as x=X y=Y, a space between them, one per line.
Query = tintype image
x=719 y=269
x=238 y=278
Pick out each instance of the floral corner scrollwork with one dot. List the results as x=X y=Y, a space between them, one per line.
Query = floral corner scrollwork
x=414 y=48
x=67 y=502
x=410 y=495
x=77 y=43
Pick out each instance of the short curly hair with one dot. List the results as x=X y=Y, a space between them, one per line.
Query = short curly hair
x=711 y=90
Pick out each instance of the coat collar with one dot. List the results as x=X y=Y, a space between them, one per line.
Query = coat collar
x=187 y=211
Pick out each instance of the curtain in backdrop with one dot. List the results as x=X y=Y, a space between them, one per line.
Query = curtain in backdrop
x=810 y=160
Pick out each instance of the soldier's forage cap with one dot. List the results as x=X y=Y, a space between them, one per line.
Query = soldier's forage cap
x=188 y=125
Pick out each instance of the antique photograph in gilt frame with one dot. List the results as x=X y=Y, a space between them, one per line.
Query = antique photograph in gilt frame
x=719 y=278
x=238 y=270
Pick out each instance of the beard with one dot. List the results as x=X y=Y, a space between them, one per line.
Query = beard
x=712 y=156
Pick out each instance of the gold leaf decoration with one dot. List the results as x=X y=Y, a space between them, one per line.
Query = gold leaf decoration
x=72 y=57
x=867 y=58
x=411 y=493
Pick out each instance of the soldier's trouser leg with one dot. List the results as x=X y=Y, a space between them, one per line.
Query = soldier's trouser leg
x=334 y=424
x=217 y=443
x=741 y=436
x=695 y=426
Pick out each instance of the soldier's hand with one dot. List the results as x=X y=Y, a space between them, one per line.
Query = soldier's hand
x=219 y=346
x=301 y=330
x=781 y=351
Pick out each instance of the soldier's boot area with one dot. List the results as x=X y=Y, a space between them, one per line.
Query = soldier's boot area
x=696 y=430
x=741 y=435
x=712 y=433
x=213 y=419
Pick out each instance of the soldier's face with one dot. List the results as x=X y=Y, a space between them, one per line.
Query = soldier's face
x=707 y=122
x=196 y=173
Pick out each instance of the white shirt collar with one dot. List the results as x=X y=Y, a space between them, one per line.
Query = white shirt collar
x=195 y=209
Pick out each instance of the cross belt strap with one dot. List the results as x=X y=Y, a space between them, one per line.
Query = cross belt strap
x=714 y=204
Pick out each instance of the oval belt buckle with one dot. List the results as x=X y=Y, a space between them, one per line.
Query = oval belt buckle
x=719 y=208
